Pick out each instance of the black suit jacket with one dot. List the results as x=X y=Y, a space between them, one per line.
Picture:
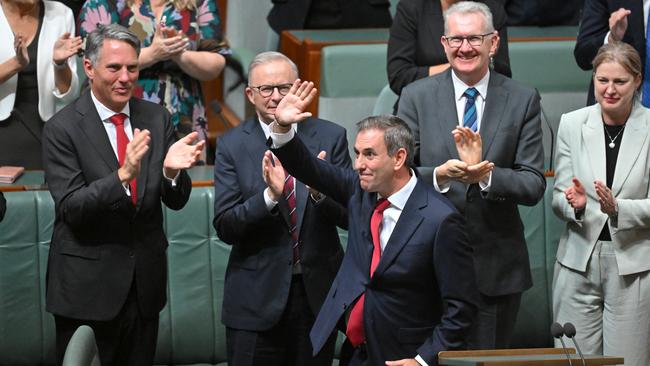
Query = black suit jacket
x=3 y=206
x=422 y=296
x=512 y=139
x=595 y=25
x=259 y=271
x=101 y=243
x=294 y=14
x=414 y=42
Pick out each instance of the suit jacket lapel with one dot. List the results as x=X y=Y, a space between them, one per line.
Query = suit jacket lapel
x=495 y=102
x=142 y=122
x=446 y=110
x=93 y=128
x=592 y=130
x=633 y=140
x=406 y=226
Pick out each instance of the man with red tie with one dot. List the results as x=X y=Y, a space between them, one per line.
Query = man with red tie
x=407 y=282
x=285 y=246
x=109 y=161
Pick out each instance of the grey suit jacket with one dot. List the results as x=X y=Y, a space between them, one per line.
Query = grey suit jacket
x=580 y=153
x=512 y=140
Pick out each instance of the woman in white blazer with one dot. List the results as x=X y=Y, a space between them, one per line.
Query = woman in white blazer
x=602 y=191
x=39 y=70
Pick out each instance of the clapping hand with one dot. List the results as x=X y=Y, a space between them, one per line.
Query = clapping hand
x=20 y=46
x=168 y=43
x=468 y=145
x=183 y=154
x=575 y=195
x=292 y=107
x=64 y=47
x=135 y=150
x=606 y=199
x=618 y=24
x=273 y=174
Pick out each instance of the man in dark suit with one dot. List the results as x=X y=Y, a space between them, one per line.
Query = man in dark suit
x=107 y=261
x=606 y=21
x=406 y=284
x=285 y=246
x=486 y=187
x=329 y=14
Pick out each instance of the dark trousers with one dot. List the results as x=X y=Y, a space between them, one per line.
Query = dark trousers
x=495 y=322
x=129 y=339
x=287 y=343
x=353 y=356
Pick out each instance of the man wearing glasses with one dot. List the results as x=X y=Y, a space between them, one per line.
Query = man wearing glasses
x=502 y=117
x=285 y=246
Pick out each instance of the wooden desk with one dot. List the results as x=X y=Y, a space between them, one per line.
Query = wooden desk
x=522 y=357
x=304 y=48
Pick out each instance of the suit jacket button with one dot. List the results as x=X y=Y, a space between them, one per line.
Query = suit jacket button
x=131 y=254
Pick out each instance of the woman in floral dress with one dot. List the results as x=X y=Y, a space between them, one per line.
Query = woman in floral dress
x=182 y=45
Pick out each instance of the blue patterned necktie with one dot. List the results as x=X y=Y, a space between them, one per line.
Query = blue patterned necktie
x=645 y=96
x=469 y=118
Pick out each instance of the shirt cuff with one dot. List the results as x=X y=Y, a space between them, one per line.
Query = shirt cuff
x=442 y=189
x=174 y=180
x=606 y=40
x=280 y=139
x=270 y=203
x=486 y=183
x=421 y=361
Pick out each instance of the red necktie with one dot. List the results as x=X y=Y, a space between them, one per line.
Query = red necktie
x=355 y=331
x=122 y=141
x=290 y=195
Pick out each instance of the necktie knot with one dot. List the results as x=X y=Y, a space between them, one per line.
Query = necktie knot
x=470 y=93
x=118 y=119
x=382 y=204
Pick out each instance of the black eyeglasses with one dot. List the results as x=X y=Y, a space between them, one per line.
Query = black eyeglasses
x=267 y=90
x=474 y=40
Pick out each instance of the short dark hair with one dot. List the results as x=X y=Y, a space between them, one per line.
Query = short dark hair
x=397 y=134
x=95 y=40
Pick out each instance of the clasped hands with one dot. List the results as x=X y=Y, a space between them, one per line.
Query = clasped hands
x=576 y=196
x=183 y=154
x=470 y=168
x=168 y=43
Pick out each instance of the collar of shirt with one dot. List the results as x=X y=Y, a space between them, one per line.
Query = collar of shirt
x=267 y=129
x=104 y=114
x=392 y=213
x=459 y=90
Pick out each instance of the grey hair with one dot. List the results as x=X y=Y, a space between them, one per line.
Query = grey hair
x=397 y=134
x=95 y=40
x=470 y=7
x=267 y=57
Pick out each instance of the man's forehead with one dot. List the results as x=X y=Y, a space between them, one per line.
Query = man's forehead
x=272 y=70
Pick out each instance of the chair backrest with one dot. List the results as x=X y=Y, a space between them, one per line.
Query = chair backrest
x=549 y=66
x=352 y=76
x=385 y=101
x=82 y=349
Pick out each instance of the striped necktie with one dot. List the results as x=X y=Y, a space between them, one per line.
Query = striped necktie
x=469 y=118
x=290 y=196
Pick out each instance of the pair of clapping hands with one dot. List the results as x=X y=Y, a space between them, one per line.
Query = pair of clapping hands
x=470 y=168
x=168 y=43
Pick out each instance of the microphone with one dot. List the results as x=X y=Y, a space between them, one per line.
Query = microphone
x=557 y=331
x=570 y=332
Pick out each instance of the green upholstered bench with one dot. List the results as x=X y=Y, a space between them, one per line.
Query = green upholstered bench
x=551 y=68
x=351 y=78
x=191 y=332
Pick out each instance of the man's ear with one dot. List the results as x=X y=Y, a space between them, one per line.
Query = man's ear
x=399 y=158
x=249 y=94
x=88 y=69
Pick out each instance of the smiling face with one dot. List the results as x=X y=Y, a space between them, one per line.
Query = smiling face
x=614 y=89
x=275 y=73
x=470 y=63
x=377 y=170
x=114 y=75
